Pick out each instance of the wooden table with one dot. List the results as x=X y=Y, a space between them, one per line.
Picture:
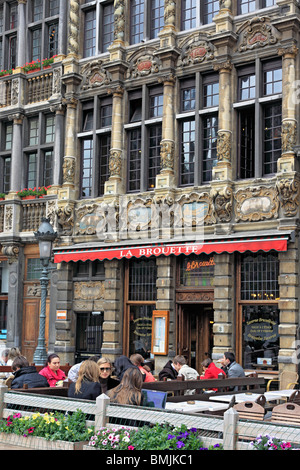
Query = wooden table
x=278 y=394
x=199 y=406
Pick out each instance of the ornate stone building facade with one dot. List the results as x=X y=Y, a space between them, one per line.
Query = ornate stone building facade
x=167 y=132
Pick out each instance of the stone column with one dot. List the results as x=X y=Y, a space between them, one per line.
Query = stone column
x=59 y=110
x=113 y=325
x=14 y=254
x=166 y=178
x=17 y=154
x=223 y=305
x=21 y=54
x=115 y=183
x=223 y=169
x=63 y=27
x=65 y=329
x=289 y=307
x=166 y=268
x=286 y=163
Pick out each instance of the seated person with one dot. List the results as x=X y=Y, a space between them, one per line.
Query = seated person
x=138 y=360
x=186 y=371
x=128 y=392
x=211 y=371
x=87 y=386
x=105 y=371
x=26 y=374
x=74 y=371
x=54 y=375
x=168 y=371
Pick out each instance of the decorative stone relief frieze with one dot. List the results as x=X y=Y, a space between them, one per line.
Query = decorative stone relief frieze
x=88 y=217
x=115 y=163
x=90 y=290
x=65 y=218
x=167 y=151
x=11 y=251
x=197 y=207
x=289 y=196
x=69 y=170
x=143 y=64
x=288 y=135
x=51 y=212
x=257 y=32
x=195 y=50
x=8 y=218
x=93 y=75
x=224 y=146
x=15 y=89
x=256 y=203
x=223 y=204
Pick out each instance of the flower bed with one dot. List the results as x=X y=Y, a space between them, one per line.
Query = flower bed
x=268 y=442
x=156 y=437
x=33 y=192
x=49 y=426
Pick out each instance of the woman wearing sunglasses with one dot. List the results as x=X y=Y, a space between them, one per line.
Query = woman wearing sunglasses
x=105 y=371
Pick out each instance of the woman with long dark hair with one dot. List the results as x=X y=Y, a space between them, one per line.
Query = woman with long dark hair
x=128 y=392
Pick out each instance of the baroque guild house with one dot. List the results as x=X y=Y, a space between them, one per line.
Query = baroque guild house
x=166 y=135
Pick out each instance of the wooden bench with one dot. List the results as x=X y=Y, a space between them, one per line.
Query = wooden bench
x=7 y=369
x=250 y=410
x=202 y=387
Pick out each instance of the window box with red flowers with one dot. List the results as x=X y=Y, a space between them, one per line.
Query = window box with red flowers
x=27 y=193
x=2 y=196
x=33 y=66
x=5 y=73
x=48 y=62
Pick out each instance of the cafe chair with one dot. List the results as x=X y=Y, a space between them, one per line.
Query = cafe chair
x=287 y=413
x=286 y=380
x=250 y=410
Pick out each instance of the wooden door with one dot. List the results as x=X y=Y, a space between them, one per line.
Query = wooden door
x=30 y=333
x=195 y=333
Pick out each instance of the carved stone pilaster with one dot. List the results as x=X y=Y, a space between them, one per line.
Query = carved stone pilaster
x=69 y=170
x=73 y=40
x=115 y=163
x=224 y=145
x=167 y=150
x=288 y=191
x=288 y=135
x=119 y=20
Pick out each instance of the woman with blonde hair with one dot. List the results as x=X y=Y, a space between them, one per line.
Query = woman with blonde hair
x=87 y=386
x=105 y=371
x=128 y=392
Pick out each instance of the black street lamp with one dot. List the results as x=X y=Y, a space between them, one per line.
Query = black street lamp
x=45 y=236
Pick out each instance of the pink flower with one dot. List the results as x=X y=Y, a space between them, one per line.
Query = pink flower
x=130 y=447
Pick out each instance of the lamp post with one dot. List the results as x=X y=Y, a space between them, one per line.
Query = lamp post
x=45 y=236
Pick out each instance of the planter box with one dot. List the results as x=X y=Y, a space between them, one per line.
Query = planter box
x=33 y=70
x=39 y=443
x=28 y=197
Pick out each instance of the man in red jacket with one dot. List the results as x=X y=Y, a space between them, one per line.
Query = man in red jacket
x=211 y=371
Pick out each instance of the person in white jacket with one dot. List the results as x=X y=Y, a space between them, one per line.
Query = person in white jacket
x=186 y=371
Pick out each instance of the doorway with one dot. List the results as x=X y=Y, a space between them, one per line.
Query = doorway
x=195 y=333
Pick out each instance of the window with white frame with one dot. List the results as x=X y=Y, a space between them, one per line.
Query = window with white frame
x=146 y=19
x=39 y=150
x=6 y=130
x=98 y=19
x=8 y=34
x=197 y=123
x=195 y=13
x=259 y=116
x=144 y=134
x=43 y=29
x=95 y=143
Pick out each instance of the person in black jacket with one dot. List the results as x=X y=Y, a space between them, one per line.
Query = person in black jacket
x=87 y=386
x=168 y=372
x=26 y=374
x=105 y=371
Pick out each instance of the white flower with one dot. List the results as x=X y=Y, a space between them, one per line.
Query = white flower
x=125 y=439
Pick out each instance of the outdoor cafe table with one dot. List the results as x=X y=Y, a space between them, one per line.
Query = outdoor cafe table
x=239 y=397
x=278 y=394
x=198 y=406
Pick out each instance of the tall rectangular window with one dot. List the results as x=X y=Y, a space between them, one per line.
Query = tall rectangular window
x=37 y=10
x=187 y=153
x=33 y=131
x=53 y=40
x=48 y=168
x=136 y=21
x=87 y=167
x=13 y=15
x=36 y=44
x=107 y=26
x=50 y=129
x=154 y=154
x=134 y=174
x=210 y=134
x=188 y=14
x=272 y=137
x=5 y=166
x=156 y=17
x=247 y=142
x=12 y=52
x=90 y=33
x=53 y=7
x=32 y=170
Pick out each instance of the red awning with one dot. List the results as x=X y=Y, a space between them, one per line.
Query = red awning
x=231 y=245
